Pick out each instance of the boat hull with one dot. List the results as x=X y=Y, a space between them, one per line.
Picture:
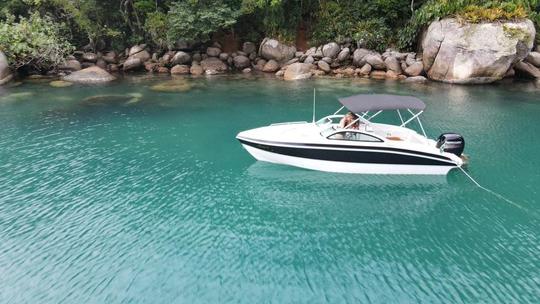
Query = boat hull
x=360 y=161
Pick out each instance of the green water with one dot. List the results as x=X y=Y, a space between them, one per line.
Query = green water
x=150 y=199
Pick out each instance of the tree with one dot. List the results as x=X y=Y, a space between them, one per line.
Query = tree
x=195 y=20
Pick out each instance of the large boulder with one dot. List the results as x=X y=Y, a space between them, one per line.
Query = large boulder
x=180 y=58
x=5 y=73
x=273 y=49
x=415 y=69
x=136 y=49
x=71 y=65
x=93 y=74
x=132 y=64
x=344 y=55
x=323 y=66
x=458 y=52
x=330 y=49
x=142 y=55
x=241 y=62
x=212 y=65
x=213 y=51
x=376 y=61
x=271 y=66
x=297 y=71
x=359 y=55
x=392 y=63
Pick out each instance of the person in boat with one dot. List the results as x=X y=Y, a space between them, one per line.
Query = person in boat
x=347 y=121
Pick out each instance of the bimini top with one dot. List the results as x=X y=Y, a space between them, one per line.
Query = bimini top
x=377 y=102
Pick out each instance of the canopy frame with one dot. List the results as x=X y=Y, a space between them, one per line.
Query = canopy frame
x=364 y=117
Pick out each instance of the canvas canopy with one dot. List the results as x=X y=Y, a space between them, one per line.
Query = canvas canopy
x=378 y=102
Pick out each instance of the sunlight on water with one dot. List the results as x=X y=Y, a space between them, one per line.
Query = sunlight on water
x=124 y=194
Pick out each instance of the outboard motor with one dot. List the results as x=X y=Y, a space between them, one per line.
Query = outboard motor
x=452 y=143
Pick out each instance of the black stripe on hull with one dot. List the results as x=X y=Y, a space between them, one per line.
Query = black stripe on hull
x=368 y=157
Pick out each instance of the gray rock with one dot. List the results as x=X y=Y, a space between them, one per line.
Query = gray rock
x=142 y=55
x=252 y=56
x=392 y=63
x=93 y=74
x=415 y=79
x=309 y=59
x=527 y=70
x=90 y=57
x=403 y=66
x=167 y=57
x=318 y=53
x=298 y=54
x=323 y=65
x=223 y=56
x=246 y=70
x=359 y=55
x=241 y=62
x=273 y=49
x=213 y=51
x=71 y=65
x=330 y=50
x=180 y=69
x=311 y=51
x=132 y=64
x=5 y=72
x=533 y=58
x=271 y=66
x=180 y=58
x=375 y=60
x=249 y=47
x=344 y=55
x=410 y=59
x=415 y=69
x=136 y=49
x=297 y=71
x=213 y=64
x=196 y=70
x=327 y=60
x=280 y=73
x=366 y=69
x=458 y=52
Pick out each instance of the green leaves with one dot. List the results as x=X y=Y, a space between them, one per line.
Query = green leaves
x=34 y=42
x=196 y=20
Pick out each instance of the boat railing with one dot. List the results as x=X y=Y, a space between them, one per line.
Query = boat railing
x=289 y=123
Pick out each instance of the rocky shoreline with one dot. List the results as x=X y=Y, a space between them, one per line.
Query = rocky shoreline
x=450 y=52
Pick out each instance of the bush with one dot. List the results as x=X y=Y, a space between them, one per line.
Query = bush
x=35 y=42
x=197 y=20
x=372 y=34
x=156 y=27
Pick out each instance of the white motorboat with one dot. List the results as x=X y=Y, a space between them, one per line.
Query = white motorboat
x=369 y=147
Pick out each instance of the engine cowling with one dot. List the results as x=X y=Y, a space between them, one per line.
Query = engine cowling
x=451 y=143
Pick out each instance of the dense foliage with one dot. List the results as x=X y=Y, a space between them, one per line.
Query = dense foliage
x=375 y=24
x=35 y=42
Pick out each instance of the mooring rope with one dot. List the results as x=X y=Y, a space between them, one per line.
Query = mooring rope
x=495 y=193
